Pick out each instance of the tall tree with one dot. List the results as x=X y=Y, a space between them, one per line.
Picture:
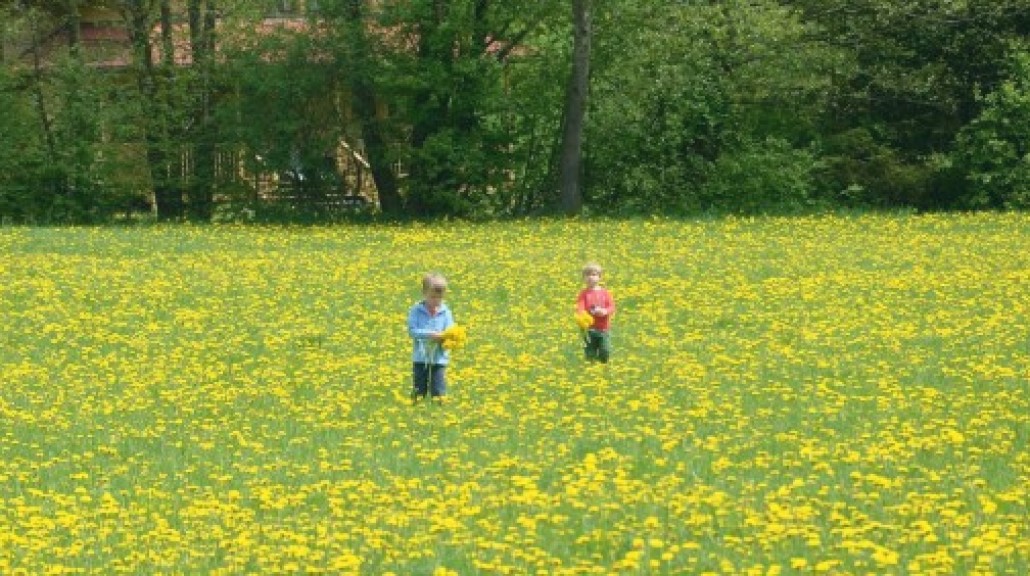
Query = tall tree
x=455 y=86
x=202 y=18
x=422 y=88
x=63 y=172
x=153 y=80
x=359 y=67
x=575 y=111
x=37 y=86
x=921 y=68
x=688 y=96
x=993 y=151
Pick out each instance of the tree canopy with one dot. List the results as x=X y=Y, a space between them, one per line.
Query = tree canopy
x=211 y=109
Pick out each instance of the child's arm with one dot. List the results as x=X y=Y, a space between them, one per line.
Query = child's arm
x=417 y=332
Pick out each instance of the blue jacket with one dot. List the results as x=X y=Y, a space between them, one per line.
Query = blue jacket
x=421 y=325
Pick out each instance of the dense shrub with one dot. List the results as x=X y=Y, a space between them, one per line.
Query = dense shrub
x=994 y=149
x=767 y=176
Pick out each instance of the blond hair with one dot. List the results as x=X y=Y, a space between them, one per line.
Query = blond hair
x=592 y=267
x=434 y=282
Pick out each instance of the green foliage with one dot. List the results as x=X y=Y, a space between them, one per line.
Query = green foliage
x=727 y=106
x=767 y=176
x=19 y=145
x=74 y=175
x=994 y=149
x=918 y=66
x=451 y=92
x=286 y=108
x=683 y=93
x=658 y=108
x=77 y=174
x=859 y=170
x=529 y=117
x=777 y=70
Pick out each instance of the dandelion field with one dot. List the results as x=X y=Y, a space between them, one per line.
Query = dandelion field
x=822 y=395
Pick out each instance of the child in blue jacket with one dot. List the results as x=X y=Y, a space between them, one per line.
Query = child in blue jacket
x=427 y=319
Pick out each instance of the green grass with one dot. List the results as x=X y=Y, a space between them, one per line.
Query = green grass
x=839 y=395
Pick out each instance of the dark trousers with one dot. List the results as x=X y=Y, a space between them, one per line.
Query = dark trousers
x=598 y=345
x=428 y=377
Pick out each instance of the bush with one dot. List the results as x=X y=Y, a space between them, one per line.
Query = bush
x=767 y=176
x=994 y=149
x=858 y=171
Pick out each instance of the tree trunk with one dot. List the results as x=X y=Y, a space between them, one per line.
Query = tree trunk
x=37 y=92
x=361 y=87
x=54 y=178
x=575 y=112
x=376 y=153
x=167 y=193
x=202 y=41
x=74 y=26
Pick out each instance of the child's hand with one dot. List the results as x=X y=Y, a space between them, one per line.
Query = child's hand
x=599 y=311
x=436 y=336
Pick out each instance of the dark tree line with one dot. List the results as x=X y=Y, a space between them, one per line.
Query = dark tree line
x=208 y=109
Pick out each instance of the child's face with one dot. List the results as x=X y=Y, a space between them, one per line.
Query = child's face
x=434 y=297
x=591 y=278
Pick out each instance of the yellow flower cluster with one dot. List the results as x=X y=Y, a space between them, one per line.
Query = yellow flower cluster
x=454 y=337
x=835 y=395
x=584 y=319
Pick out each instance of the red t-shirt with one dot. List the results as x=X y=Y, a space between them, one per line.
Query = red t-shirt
x=597 y=297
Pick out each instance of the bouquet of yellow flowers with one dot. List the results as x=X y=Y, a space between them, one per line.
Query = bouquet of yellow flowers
x=453 y=337
x=584 y=320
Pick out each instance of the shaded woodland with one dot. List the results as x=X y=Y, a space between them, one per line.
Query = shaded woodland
x=288 y=110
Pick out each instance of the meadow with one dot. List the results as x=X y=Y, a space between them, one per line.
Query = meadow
x=813 y=395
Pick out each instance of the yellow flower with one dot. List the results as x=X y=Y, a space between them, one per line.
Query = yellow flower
x=453 y=337
x=584 y=319
x=885 y=556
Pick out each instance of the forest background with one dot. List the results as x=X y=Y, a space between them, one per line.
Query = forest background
x=297 y=110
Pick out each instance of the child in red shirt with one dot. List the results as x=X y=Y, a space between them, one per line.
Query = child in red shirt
x=598 y=302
